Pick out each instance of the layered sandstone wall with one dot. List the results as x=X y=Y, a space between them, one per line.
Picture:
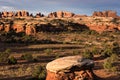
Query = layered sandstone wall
x=108 y=13
x=23 y=13
x=61 y=14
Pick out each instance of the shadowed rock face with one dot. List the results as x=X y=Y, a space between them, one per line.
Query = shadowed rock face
x=105 y=14
x=38 y=15
x=70 y=68
x=22 y=14
x=61 y=14
x=14 y=14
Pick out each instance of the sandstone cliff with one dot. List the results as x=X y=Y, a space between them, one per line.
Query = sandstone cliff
x=38 y=15
x=108 y=13
x=61 y=14
x=32 y=26
x=22 y=13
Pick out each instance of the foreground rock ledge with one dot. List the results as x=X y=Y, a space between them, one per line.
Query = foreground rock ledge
x=70 y=68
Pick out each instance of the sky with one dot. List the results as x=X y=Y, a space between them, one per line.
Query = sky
x=46 y=6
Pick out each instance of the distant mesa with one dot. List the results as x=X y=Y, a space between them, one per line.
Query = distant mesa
x=38 y=15
x=22 y=13
x=78 y=15
x=14 y=14
x=108 y=13
x=61 y=14
x=57 y=14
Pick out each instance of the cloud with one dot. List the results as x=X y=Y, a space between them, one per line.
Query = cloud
x=47 y=6
x=7 y=8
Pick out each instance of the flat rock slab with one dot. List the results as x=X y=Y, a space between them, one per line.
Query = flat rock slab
x=65 y=63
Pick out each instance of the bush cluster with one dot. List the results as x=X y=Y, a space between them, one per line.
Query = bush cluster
x=108 y=64
x=27 y=56
x=4 y=55
x=39 y=72
x=12 y=60
x=87 y=54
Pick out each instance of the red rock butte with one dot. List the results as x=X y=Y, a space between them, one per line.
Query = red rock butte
x=23 y=21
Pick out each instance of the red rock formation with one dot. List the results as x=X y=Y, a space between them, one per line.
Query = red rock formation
x=4 y=14
x=77 y=16
x=7 y=27
x=108 y=13
x=70 y=68
x=25 y=13
x=38 y=15
x=22 y=14
x=10 y=14
x=1 y=27
x=0 y=15
x=19 y=14
x=30 y=29
x=19 y=28
x=13 y=14
x=61 y=14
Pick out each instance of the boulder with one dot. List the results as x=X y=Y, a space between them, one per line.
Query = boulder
x=70 y=68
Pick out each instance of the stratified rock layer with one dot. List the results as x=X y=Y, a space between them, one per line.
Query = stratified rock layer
x=70 y=68
x=61 y=14
x=108 y=13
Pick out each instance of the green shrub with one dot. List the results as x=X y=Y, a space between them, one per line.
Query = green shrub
x=87 y=55
x=115 y=48
x=114 y=57
x=108 y=65
x=76 y=52
x=39 y=72
x=4 y=55
x=48 y=51
x=95 y=50
x=12 y=60
x=107 y=52
x=57 y=55
x=27 y=56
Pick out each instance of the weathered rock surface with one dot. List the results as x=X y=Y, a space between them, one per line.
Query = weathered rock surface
x=70 y=68
x=22 y=14
x=108 y=13
x=6 y=14
x=61 y=14
x=38 y=15
x=23 y=22
x=78 y=16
